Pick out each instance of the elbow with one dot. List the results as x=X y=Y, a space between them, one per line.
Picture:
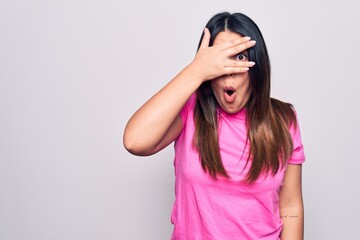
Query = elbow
x=129 y=142
x=130 y=146
x=134 y=146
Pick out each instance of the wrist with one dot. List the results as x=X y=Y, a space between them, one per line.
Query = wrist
x=194 y=73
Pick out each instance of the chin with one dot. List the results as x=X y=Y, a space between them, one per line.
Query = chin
x=231 y=110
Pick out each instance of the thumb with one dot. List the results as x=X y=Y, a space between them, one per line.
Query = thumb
x=206 y=39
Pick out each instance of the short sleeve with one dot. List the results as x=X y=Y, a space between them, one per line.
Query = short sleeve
x=298 y=155
x=189 y=106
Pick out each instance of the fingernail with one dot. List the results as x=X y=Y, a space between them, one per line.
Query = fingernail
x=247 y=38
x=251 y=63
x=253 y=42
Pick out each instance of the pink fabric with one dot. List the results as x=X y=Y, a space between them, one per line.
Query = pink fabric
x=222 y=209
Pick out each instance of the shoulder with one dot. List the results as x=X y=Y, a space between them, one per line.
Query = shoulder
x=190 y=103
x=188 y=107
x=192 y=100
x=284 y=111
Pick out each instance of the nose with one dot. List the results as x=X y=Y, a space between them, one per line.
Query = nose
x=229 y=75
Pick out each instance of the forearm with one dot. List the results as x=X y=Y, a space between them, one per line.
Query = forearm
x=150 y=123
x=293 y=220
x=291 y=204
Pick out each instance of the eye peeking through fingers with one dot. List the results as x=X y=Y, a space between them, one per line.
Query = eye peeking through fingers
x=240 y=57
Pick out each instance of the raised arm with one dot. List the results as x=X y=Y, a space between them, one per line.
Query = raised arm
x=157 y=123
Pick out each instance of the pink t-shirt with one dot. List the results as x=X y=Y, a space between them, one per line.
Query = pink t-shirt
x=225 y=209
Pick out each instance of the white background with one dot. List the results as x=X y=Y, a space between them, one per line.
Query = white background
x=73 y=72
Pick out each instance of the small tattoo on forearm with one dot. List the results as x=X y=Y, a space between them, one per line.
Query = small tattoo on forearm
x=290 y=216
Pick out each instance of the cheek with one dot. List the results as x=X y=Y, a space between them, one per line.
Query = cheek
x=244 y=81
x=247 y=89
x=215 y=84
x=248 y=84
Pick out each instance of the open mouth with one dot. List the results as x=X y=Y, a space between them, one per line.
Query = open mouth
x=230 y=92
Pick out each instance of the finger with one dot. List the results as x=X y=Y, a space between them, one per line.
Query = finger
x=206 y=39
x=234 y=67
x=235 y=49
x=239 y=64
x=234 y=70
x=235 y=42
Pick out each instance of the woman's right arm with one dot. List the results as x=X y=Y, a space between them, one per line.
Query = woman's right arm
x=157 y=123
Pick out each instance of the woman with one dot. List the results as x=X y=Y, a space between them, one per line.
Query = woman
x=238 y=152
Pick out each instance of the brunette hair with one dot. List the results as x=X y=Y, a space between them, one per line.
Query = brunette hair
x=267 y=119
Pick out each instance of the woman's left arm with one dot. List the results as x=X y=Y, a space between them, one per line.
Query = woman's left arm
x=291 y=204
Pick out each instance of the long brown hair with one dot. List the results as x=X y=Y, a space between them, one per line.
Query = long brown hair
x=267 y=120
